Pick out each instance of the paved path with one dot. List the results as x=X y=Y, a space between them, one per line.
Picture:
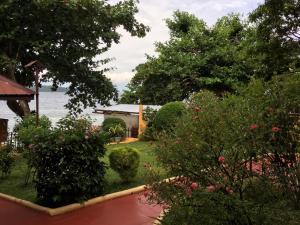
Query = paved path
x=128 y=210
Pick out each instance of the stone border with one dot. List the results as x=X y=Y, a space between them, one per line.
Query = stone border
x=74 y=206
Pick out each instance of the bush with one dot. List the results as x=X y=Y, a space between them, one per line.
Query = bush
x=112 y=123
x=150 y=132
x=237 y=157
x=6 y=160
x=68 y=163
x=125 y=161
x=26 y=129
x=167 y=116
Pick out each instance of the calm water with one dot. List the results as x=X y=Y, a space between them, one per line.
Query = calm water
x=51 y=105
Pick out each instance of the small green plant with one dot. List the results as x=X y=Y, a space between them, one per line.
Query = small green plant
x=125 y=161
x=111 y=123
x=6 y=160
x=116 y=131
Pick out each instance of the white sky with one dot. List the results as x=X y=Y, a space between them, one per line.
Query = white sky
x=131 y=50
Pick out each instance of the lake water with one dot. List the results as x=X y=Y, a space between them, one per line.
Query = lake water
x=51 y=105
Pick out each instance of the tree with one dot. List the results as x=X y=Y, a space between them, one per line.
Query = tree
x=65 y=37
x=129 y=96
x=276 y=46
x=196 y=57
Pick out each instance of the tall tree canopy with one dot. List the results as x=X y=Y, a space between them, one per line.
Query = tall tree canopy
x=220 y=57
x=276 y=46
x=196 y=57
x=65 y=37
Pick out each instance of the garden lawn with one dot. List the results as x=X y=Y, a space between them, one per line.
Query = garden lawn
x=14 y=184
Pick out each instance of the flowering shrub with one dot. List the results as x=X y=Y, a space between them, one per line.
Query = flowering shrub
x=125 y=161
x=68 y=163
x=237 y=158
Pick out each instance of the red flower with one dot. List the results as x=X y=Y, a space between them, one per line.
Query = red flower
x=221 y=159
x=253 y=126
x=270 y=110
x=211 y=188
x=275 y=129
x=229 y=190
x=194 y=186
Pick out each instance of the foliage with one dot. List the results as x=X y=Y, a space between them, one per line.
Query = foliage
x=276 y=46
x=116 y=131
x=125 y=161
x=168 y=115
x=236 y=159
x=68 y=163
x=109 y=123
x=221 y=57
x=26 y=130
x=65 y=37
x=150 y=132
x=6 y=159
x=13 y=184
x=129 y=96
x=196 y=57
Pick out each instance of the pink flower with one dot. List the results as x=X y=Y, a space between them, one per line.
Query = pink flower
x=253 y=126
x=194 y=186
x=146 y=194
x=211 y=188
x=221 y=159
x=275 y=129
x=30 y=146
x=229 y=190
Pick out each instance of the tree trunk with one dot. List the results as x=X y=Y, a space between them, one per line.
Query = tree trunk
x=21 y=107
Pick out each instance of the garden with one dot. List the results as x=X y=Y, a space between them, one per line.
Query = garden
x=110 y=167
x=232 y=160
x=224 y=148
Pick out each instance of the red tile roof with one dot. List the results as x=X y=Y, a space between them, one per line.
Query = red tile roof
x=11 y=88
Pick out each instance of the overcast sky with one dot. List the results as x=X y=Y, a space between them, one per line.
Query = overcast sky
x=131 y=50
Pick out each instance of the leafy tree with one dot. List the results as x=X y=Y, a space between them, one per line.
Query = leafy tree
x=65 y=37
x=276 y=46
x=129 y=96
x=196 y=57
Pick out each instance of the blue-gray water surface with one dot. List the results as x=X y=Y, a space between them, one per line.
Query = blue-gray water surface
x=51 y=105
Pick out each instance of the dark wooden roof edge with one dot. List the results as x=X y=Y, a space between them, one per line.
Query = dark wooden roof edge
x=100 y=111
x=15 y=84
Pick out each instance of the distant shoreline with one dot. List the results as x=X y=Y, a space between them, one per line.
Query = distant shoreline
x=48 y=89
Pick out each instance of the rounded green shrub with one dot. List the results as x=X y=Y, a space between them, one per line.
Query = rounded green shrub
x=68 y=163
x=167 y=116
x=111 y=123
x=125 y=161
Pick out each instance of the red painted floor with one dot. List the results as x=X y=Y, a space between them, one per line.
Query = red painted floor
x=127 y=210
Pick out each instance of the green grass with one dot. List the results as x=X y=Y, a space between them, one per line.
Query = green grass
x=14 y=184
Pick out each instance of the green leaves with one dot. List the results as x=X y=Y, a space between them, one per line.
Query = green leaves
x=68 y=165
x=65 y=36
x=196 y=57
